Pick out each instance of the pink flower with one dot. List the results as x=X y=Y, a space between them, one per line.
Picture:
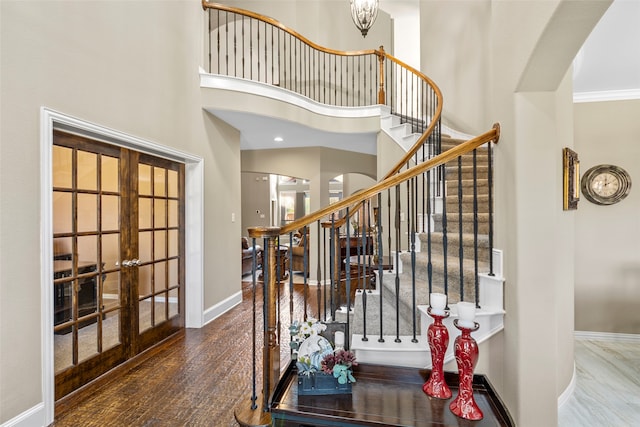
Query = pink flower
x=340 y=357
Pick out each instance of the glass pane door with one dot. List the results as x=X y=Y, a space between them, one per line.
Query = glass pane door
x=160 y=246
x=158 y=236
x=87 y=287
x=118 y=280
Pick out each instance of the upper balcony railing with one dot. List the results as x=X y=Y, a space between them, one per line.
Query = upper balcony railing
x=251 y=46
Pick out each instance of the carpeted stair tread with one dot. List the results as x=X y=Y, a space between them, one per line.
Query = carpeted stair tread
x=453 y=244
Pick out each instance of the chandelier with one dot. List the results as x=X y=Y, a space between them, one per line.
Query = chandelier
x=364 y=13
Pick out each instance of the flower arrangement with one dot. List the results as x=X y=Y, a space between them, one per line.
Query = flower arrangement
x=339 y=364
x=318 y=355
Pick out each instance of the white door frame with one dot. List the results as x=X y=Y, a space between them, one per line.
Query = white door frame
x=194 y=227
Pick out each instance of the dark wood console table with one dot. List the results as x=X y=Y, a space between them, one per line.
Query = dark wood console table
x=383 y=396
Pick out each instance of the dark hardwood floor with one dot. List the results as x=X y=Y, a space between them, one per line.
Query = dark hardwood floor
x=196 y=378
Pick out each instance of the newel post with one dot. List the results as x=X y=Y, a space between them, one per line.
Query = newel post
x=271 y=350
x=381 y=94
x=252 y=414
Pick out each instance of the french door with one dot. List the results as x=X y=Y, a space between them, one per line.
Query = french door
x=118 y=219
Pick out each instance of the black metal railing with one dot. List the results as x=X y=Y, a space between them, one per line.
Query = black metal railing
x=352 y=262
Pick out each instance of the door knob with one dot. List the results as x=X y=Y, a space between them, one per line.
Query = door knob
x=131 y=263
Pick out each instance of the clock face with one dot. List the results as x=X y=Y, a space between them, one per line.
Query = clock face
x=606 y=184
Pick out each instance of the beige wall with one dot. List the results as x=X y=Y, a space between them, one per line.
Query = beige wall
x=130 y=66
x=607 y=237
x=256 y=199
x=509 y=62
x=324 y=22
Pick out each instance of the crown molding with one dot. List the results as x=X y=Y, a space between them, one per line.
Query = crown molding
x=606 y=95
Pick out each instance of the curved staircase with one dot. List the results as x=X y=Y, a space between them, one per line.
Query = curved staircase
x=403 y=341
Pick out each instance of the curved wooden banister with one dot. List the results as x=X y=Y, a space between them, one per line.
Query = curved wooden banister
x=380 y=53
x=451 y=154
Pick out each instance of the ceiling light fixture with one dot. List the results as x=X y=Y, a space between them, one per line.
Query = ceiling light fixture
x=278 y=139
x=364 y=14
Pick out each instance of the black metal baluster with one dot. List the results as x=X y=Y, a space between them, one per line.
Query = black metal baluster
x=244 y=65
x=444 y=229
x=389 y=222
x=347 y=273
x=209 y=36
x=324 y=79
x=413 y=262
x=324 y=268
x=278 y=278
x=408 y=211
x=318 y=271
x=254 y=395
x=305 y=267
x=332 y=258
x=335 y=77
x=235 y=48
x=287 y=41
x=218 y=43
x=266 y=259
x=380 y=260
x=490 y=184
x=397 y=282
x=460 y=229
x=226 y=42
x=366 y=271
x=475 y=228
x=430 y=201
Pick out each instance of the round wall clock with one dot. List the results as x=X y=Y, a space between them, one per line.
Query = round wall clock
x=606 y=184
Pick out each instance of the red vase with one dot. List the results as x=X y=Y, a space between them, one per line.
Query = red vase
x=438 y=338
x=466 y=351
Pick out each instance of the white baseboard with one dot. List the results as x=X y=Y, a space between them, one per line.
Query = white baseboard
x=222 y=307
x=606 y=336
x=568 y=392
x=32 y=417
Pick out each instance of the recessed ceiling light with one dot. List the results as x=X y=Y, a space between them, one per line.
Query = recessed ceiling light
x=278 y=139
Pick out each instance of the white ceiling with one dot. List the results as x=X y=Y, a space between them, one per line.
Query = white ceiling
x=610 y=57
x=258 y=133
x=608 y=61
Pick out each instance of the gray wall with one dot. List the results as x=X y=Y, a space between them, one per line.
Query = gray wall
x=607 y=290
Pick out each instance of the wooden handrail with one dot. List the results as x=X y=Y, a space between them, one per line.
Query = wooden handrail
x=392 y=181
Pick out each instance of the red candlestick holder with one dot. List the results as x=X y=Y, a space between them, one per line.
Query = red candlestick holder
x=438 y=338
x=466 y=351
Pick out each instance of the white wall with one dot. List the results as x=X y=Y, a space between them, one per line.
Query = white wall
x=608 y=237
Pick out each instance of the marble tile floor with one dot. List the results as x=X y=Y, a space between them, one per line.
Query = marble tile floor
x=607 y=391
